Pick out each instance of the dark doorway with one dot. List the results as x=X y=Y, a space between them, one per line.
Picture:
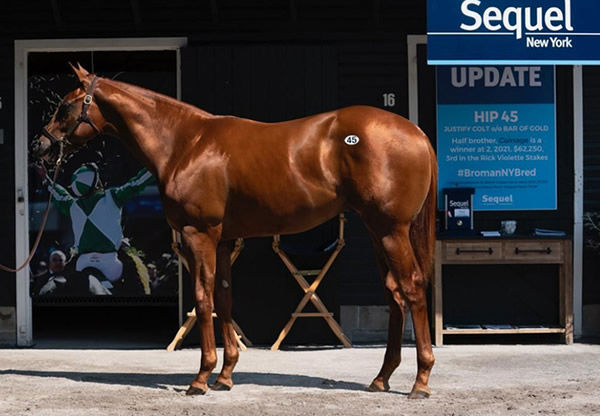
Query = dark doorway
x=145 y=294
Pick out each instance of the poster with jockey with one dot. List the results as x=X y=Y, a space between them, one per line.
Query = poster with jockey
x=106 y=234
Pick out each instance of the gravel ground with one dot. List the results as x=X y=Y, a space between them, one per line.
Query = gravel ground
x=466 y=380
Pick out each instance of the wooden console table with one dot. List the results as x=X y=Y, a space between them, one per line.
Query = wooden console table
x=506 y=251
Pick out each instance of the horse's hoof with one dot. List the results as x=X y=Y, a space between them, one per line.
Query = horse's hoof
x=220 y=386
x=378 y=387
x=195 y=391
x=419 y=394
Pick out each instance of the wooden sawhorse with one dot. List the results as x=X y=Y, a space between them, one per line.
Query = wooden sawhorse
x=187 y=326
x=310 y=289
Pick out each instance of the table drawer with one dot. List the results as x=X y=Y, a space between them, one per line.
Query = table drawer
x=539 y=251
x=472 y=251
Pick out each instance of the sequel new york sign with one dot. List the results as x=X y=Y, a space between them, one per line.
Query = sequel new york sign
x=513 y=32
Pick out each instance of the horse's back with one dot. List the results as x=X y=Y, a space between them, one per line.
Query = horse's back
x=291 y=176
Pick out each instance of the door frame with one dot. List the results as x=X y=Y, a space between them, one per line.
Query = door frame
x=22 y=49
x=413 y=99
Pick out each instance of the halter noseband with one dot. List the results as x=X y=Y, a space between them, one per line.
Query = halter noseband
x=83 y=118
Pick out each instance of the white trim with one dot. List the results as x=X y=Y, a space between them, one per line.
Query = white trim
x=471 y=33
x=23 y=307
x=178 y=69
x=562 y=34
x=22 y=49
x=413 y=76
x=413 y=112
x=101 y=44
x=513 y=33
x=578 y=201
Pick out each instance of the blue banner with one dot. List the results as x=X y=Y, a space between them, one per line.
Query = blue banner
x=508 y=32
x=496 y=132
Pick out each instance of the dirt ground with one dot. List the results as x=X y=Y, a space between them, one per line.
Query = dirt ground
x=466 y=380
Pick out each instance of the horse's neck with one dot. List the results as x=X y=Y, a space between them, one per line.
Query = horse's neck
x=136 y=114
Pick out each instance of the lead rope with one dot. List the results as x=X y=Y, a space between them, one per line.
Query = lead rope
x=44 y=219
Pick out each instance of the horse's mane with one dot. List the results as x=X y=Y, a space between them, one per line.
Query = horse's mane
x=154 y=97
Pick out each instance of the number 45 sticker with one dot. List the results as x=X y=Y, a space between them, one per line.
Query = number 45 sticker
x=351 y=140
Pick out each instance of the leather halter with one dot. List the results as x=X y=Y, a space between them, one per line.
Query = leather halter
x=83 y=118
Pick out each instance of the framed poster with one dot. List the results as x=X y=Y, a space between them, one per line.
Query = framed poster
x=106 y=234
x=496 y=132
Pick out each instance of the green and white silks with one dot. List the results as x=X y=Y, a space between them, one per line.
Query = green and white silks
x=96 y=218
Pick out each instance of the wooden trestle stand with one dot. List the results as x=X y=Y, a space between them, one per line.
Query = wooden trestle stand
x=187 y=326
x=310 y=289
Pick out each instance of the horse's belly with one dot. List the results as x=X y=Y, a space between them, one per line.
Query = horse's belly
x=287 y=217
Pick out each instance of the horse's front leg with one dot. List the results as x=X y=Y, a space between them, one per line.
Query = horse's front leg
x=223 y=304
x=199 y=249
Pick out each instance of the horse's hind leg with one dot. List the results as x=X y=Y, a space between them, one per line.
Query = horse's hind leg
x=395 y=327
x=405 y=280
x=199 y=250
x=223 y=304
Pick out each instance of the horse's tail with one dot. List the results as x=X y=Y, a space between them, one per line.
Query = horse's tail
x=422 y=230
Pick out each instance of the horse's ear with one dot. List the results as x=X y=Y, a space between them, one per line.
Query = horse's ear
x=81 y=74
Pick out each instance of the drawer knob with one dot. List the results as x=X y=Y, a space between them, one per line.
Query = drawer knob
x=488 y=250
x=546 y=250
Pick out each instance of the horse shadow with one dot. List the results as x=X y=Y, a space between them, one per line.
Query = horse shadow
x=179 y=381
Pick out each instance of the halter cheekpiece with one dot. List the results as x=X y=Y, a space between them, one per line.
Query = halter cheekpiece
x=83 y=118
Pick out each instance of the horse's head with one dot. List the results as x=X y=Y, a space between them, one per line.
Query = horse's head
x=76 y=121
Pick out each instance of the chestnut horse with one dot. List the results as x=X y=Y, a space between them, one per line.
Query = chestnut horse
x=222 y=178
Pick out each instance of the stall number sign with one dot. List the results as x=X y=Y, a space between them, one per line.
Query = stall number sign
x=496 y=132
x=517 y=32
